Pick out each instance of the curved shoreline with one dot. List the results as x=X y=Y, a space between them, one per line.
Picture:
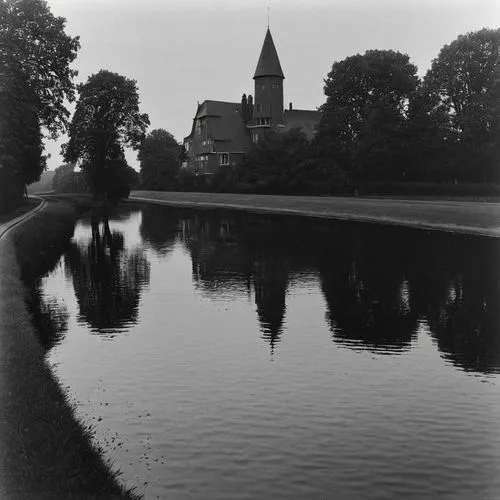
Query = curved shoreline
x=45 y=452
x=472 y=218
x=7 y=226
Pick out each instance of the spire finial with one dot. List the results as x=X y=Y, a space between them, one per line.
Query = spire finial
x=268 y=9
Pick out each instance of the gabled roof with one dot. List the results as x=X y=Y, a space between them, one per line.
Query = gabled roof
x=269 y=63
x=224 y=125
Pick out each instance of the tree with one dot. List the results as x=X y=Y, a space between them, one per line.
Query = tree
x=160 y=160
x=33 y=43
x=368 y=98
x=463 y=82
x=35 y=81
x=274 y=164
x=106 y=120
x=21 y=145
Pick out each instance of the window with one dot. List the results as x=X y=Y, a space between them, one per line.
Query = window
x=255 y=137
x=258 y=108
x=187 y=144
x=276 y=85
x=200 y=126
x=264 y=121
x=224 y=159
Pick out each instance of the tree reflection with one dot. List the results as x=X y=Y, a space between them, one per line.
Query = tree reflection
x=108 y=278
x=379 y=283
x=366 y=292
x=50 y=317
x=465 y=321
x=159 y=229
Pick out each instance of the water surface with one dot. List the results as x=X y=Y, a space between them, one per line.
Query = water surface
x=221 y=354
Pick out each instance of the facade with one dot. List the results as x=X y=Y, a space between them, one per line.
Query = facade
x=223 y=131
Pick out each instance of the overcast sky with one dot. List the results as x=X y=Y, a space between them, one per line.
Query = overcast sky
x=184 y=51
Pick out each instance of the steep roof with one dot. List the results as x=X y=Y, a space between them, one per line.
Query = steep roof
x=269 y=63
x=224 y=125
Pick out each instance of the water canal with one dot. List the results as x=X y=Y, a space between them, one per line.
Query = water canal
x=227 y=355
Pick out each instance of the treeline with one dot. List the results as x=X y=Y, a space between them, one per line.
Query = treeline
x=382 y=125
x=383 y=129
x=36 y=82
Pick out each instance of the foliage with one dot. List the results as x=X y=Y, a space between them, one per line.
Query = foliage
x=106 y=120
x=35 y=81
x=367 y=106
x=274 y=163
x=34 y=44
x=66 y=180
x=464 y=83
x=160 y=160
x=20 y=138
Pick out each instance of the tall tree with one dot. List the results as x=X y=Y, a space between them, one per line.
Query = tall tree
x=368 y=98
x=160 y=160
x=33 y=42
x=106 y=120
x=35 y=82
x=463 y=82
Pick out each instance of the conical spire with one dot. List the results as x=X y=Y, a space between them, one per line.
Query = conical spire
x=269 y=63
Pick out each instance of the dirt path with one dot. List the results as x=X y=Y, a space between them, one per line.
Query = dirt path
x=468 y=217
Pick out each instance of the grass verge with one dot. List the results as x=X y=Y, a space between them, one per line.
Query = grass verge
x=28 y=205
x=45 y=453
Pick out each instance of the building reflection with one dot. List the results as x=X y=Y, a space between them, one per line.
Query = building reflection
x=379 y=283
x=107 y=278
x=233 y=257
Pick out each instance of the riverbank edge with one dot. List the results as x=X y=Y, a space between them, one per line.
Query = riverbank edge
x=44 y=451
x=160 y=198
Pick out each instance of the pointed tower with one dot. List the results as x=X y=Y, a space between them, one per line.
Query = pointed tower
x=268 y=77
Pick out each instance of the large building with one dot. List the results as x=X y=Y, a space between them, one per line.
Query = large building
x=223 y=131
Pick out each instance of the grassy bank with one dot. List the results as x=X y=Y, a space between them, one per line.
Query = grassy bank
x=27 y=205
x=44 y=452
x=472 y=217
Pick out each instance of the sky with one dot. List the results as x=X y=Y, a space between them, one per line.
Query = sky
x=184 y=51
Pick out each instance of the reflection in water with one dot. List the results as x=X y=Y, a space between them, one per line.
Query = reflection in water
x=50 y=317
x=107 y=278
x=379 y=283
x=200 y=410
x=158 y=229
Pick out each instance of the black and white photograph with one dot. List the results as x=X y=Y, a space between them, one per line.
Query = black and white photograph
x=249 y=249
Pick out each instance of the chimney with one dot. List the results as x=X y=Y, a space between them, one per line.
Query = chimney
x=290 y=107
